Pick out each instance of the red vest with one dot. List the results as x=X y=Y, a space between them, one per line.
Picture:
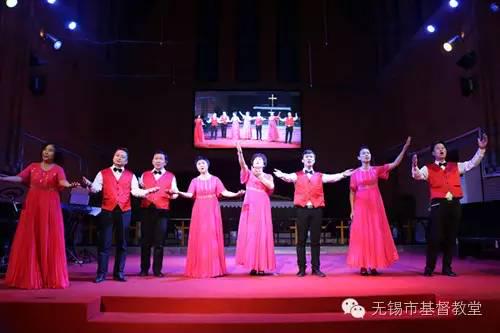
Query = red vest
x=224 y=119
x=116 y=192
x=444 y=181
x=289 y=121
x=159 y=199
x=258 y=121
x=214 y=122
x=309 y=190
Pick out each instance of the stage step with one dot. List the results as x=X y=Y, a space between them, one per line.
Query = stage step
x=252 y=322
x=128 y=304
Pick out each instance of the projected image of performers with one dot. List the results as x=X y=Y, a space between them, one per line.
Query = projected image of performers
x=257 y=119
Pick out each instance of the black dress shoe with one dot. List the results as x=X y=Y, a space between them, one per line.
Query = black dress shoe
x=143 y=273
x=119 y=277
x=99 y=278
x=253 y=272
x=159 y=274
x=363 y=271
x=301 y=273
x=374 y=272
x=319 y=273
x=428 y=272
x=449 y=272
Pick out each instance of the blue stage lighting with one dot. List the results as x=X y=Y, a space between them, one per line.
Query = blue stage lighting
x=430 y=28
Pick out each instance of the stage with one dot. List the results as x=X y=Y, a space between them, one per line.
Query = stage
x=281 y=302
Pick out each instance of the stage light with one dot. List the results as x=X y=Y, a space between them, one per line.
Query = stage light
x=448 y=45
x=494 y=7
x=453 y=3
x=11 y=3
x=51 y=2
x=72 y=25
x=56 y=42
x=430 y=28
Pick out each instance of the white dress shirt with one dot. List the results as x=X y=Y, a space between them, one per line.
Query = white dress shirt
x=135 y=190
x=463 y=167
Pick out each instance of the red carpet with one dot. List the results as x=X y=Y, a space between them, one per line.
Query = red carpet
x=239 y=302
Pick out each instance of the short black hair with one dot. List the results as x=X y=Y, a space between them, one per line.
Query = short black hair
x=58 y=156
x=201 y=158
x=159 y=151
x=256 y=155
x=122 y=149
x=363 y=147
x=435 y=143
x=307 y=152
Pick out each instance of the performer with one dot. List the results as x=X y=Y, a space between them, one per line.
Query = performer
x=223 y=120
x=255 y=244
x=309 y=200
x=199 y=136
x=272 y=134
x=445 y=192
x=235 y=127
x=38 y=256
x=214 y=122
x=156 y=207
x=205 y=253
x=259 y=120
x=289 y=122
x=246 y=132
x=116 y=184
x=371 y=244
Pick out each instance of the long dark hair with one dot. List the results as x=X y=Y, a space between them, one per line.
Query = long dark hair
x=58 y=156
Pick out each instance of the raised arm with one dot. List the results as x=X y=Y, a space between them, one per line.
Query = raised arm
x=287 y=177
x=482 y=142
x=241 y=158
x=296 y=117
x=399 y=158
x=416 y=173
x=332 y=178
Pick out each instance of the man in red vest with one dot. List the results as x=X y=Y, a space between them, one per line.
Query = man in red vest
x=289 y=121
x=309 y=199
x=259 y=120
x=116 y=184
x=156 y=208
x=445 y=211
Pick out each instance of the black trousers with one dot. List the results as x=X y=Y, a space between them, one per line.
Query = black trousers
x=223 y=129
x=442 y=232
x=258 y=130
x=288 y=134
x=119 y=222
x=308 y=219
x=153 y=230
x=213 y=132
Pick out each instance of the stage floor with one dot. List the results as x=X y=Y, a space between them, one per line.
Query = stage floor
x=116 y=303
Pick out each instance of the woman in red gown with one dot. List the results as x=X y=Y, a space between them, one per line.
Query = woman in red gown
x=38 y=257
x=370 y=244
x=205 y=252
x=198 y=131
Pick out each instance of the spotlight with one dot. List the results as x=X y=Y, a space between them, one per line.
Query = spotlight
x=448 y=45
x=494 y=7
x=453 y=3
x=11 y=3
x=51 y=2
x=72 y=25
x=56 y=43
x=430 y=28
